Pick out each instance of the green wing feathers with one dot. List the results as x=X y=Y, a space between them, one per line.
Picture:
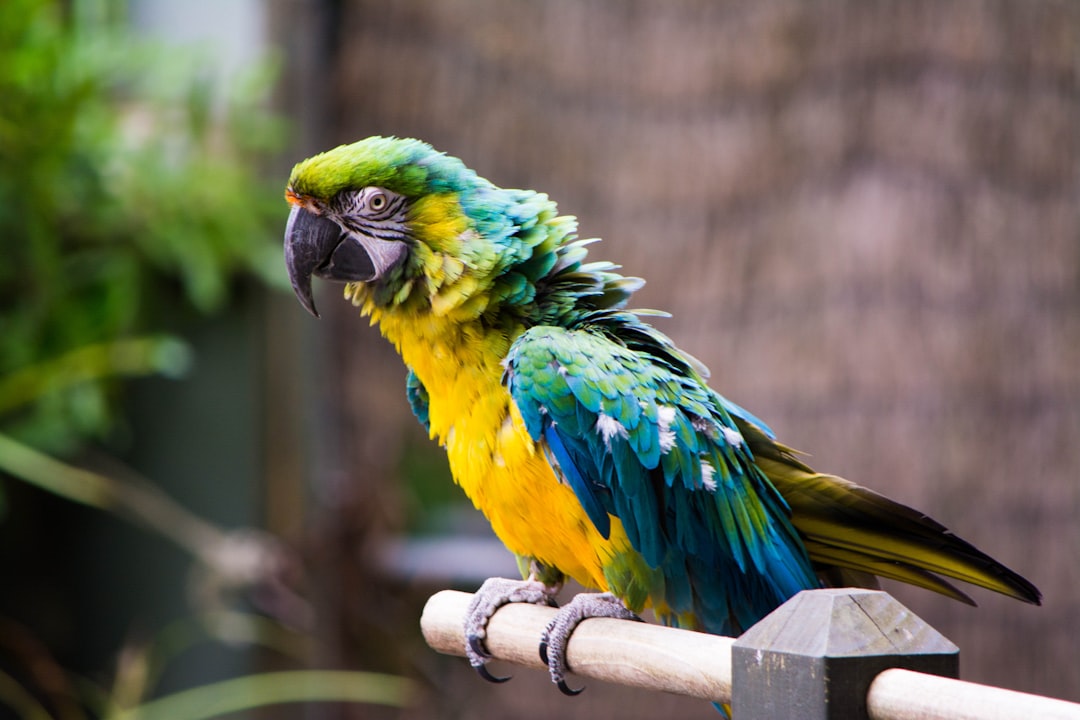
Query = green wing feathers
x=849 y=527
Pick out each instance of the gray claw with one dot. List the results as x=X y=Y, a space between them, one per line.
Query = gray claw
x=483 y=672
x=493 y=594
x=567 y=690
x=476 y=644
x=556 y=636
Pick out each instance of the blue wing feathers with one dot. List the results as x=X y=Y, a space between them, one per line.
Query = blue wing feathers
x=744 y=414
x=418 y=399
x=633 y=430
x=582 y=488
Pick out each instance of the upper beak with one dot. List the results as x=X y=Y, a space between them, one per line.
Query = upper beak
x=316 y=245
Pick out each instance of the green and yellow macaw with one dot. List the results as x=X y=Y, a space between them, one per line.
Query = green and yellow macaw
x=590 y=442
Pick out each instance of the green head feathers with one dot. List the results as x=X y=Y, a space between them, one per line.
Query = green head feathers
x=441 y=239
x=409 y=167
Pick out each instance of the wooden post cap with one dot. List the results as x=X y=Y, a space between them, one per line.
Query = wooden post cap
x=817 y=654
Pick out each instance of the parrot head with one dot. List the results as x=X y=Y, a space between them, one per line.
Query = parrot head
x=401 y=222
x=416 y=234
x=353 y=209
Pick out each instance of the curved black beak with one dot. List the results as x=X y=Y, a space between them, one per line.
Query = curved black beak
x=316 y=245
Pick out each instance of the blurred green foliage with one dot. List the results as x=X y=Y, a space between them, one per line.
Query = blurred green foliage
x=131 y=194
x=134 y=193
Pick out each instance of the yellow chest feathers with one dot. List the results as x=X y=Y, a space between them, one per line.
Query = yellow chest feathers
x=496 y=462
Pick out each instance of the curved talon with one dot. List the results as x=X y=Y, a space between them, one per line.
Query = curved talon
x=483 y=672
x=555 y=639
x=492 y=595
x=567 y=690
x=477 y=644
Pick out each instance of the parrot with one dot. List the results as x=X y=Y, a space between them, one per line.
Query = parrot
x=592 y=444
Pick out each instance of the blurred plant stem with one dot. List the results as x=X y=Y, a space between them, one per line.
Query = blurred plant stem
x=141 y=503
x=14 y=696
x=252 y=691
x=128 y=357
x=226 y=561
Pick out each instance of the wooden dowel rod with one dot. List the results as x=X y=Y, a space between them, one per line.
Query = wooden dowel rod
x=628 y=653
x=905 y=695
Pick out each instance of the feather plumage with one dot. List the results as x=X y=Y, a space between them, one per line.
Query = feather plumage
x=589 y=440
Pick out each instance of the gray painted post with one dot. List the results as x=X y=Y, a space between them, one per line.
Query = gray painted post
x=815 y=656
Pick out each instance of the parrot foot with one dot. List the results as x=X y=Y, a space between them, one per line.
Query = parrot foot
x=492 y=595
x=556 y=636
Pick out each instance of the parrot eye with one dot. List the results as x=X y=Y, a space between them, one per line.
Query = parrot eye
x=377 y=201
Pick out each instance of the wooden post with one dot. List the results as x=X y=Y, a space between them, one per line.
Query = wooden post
x=815 y=656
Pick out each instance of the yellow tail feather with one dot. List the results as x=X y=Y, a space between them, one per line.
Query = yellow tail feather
x=848 y=526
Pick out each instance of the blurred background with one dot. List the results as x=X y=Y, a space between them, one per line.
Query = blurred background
x=865 y=217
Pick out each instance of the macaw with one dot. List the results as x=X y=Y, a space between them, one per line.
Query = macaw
x=592 y=444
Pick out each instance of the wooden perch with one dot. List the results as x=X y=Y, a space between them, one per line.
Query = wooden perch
x=628 y=653
x=698 y=665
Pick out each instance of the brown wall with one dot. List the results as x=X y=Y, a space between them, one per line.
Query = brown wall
x=864 y=215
